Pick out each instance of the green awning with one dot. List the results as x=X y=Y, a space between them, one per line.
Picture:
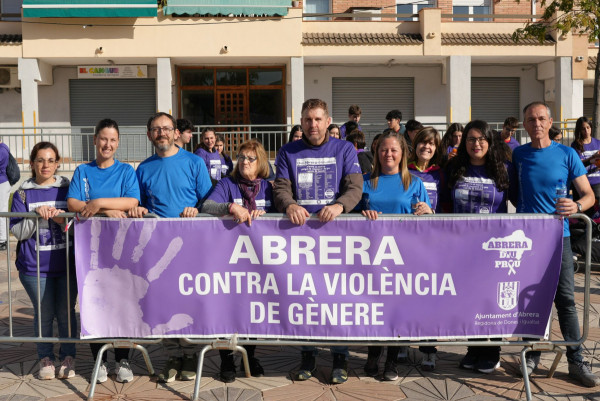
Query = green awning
x=228 y=7
x=89 y=8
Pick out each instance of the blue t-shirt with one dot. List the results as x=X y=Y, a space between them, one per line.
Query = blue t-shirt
x=589 y=149
x=317 y=171
x=92 y=182
x=431 y=178
x=227 y=190
x=539 y=171
x=390 y=196
x=212 y=161
x=170 y=184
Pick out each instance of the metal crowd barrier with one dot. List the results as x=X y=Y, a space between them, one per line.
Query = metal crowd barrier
x=236 y=343
x=75 y=144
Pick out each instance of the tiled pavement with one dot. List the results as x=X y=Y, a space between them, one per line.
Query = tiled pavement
x=18 y=367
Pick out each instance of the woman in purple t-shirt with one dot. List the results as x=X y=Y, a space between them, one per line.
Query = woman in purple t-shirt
x=226 y=162
x=588 y=149
x=207 y=151
x=46 y=194
x=451 y=139
x=245 y=195
x=479 y=181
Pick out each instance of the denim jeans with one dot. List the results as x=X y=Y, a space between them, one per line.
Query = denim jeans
x=565 y=304
x=53 y=293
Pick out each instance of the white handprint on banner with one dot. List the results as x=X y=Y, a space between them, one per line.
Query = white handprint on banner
x=120 y=304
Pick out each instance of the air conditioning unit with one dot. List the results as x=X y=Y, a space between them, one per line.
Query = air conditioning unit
x=9 y=77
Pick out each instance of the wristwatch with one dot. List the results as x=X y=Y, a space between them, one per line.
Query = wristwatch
x=579 y=207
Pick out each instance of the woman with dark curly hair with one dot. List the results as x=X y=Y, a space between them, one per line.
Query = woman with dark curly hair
x=480 y=180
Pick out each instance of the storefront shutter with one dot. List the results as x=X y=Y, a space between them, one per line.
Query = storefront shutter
x=493 y=99
x=130 y=102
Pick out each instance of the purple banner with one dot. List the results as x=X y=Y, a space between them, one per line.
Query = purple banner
x=407 y=278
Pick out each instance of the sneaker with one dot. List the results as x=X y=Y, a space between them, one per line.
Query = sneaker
x=67 y=368
x=339 y=371
x=403 y=355
x=124 y=373
x=102 y=373
x=532 y=362
x=487 y=365
x=581 y=372
x=188 y=367
x=428 y=362
x=371 y=368
x=47 y=369
x=470 y=360
x=171 y=370
x=308 y=365
x=227 y=372
x=390 y=371
x=3 y=246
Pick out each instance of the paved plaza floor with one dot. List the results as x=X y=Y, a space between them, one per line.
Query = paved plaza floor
x=19 y=365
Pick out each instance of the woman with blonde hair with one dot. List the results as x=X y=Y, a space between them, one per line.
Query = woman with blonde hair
x=390 y=188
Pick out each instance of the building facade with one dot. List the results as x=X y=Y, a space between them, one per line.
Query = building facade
x=71 y=63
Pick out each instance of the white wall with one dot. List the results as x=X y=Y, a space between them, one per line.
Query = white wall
x=10 y=112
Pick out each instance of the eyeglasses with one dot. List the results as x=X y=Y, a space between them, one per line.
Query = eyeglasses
x=41 y=161
x=251 y=159
x=156 y=130
x=481 y=140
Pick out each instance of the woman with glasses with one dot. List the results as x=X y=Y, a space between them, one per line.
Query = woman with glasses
x=106 y=186
x=45 y=194
x=245 y=195
x=480 y=180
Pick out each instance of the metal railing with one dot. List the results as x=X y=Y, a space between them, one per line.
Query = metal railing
x=76 y=144
x=235 y=343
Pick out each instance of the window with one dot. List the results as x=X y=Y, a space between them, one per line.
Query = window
x=317 y=7
x=375 y=11
x=11 y=10
x=411 y=7
x=471 y=7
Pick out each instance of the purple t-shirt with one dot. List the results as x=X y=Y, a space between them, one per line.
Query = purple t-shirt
x=317 y=171
x=476 y=193
x=227 y=190
x=4 y=152
x=212 y=161
x=512 y=143
x=52 y=238
x=431 y=179
x=593 y=173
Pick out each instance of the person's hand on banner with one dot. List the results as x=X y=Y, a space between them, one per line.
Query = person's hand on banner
x=137 y=212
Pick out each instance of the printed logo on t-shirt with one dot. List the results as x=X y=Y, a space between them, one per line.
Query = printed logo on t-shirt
x=316 y=180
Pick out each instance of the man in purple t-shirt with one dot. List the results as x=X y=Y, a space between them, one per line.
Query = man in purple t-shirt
x=318 y=174
x=509 y=129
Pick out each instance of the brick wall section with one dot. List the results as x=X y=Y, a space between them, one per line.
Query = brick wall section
x=513 y=7
x=446 y=6
x=498 y=7
x=344 y=6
